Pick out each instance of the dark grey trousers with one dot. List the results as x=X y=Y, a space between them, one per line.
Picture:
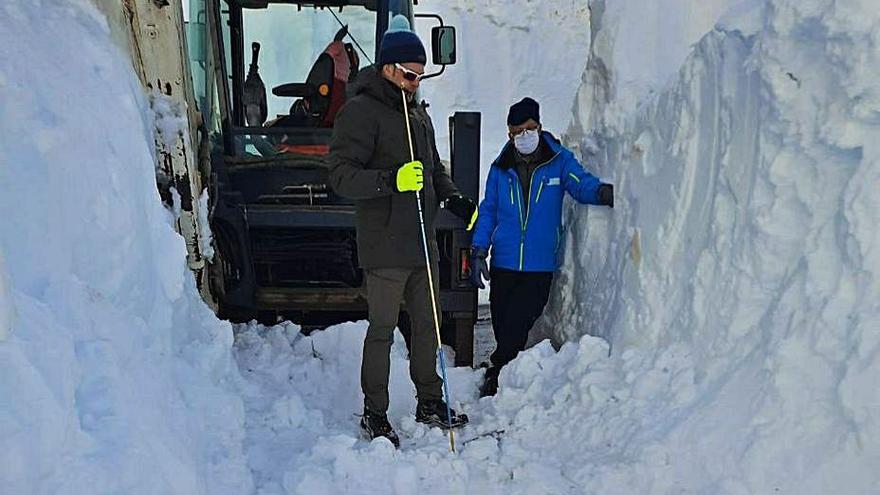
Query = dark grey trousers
x=386 y=288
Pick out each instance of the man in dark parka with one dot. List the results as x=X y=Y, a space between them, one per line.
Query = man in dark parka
x=370 y=162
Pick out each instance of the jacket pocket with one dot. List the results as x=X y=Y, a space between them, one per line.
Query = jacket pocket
x=373 y=214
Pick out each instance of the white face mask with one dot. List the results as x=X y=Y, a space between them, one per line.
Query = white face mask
x=526 y=142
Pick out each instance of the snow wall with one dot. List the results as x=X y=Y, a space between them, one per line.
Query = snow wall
x=739 y=268
x=116 y=378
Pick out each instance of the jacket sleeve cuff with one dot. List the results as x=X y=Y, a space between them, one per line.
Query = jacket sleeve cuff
x=388 y=181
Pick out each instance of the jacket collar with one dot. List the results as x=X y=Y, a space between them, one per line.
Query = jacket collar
x=370 y=82
x=506 y=159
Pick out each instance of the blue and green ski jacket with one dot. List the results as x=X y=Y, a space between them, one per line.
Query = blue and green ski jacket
x=528 y=239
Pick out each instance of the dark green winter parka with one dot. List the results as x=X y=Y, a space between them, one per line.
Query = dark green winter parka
x=369 y=144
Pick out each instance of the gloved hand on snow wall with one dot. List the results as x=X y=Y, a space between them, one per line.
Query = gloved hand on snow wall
x=410 y=177
x=479 y=267
x=605 y=193
x=464 y=208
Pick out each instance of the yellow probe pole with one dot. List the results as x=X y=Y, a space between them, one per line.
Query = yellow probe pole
x=412 y=157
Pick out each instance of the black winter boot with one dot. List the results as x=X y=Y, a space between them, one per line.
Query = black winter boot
x=490 y=383
x=376 y=425
x=434 y=413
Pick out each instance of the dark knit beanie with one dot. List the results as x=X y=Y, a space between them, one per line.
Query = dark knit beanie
x=400 y=45
x=522 y=111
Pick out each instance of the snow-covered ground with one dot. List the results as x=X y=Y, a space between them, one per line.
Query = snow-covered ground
x=734 y=286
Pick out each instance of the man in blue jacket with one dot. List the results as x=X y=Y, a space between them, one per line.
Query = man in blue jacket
x=520 y=218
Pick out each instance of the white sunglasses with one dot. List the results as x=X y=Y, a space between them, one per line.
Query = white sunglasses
x=410 y=75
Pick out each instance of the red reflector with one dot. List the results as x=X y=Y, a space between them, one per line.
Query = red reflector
x=465 y=265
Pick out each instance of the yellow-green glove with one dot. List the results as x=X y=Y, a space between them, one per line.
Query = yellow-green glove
x=410 y=177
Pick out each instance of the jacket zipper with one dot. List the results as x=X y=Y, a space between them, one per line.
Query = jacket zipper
x=522 y=239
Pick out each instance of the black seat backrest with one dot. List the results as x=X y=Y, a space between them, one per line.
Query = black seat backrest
x=321 y=79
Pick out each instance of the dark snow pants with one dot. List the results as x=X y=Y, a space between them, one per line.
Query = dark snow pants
x=386 y=288
x=516 y=300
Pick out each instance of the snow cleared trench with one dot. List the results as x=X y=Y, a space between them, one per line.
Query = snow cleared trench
x=303 y=397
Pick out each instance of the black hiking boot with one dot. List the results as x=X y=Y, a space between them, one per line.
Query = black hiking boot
x=376 y=425
x=434 y=413
x=490 y=383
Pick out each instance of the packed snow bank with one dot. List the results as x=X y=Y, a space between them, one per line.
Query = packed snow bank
x=303 y=405
x=743 y=247
x=116 y=377
x=643 y=44
x=304 y=396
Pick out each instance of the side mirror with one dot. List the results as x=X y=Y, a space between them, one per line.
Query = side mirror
x=443 y=45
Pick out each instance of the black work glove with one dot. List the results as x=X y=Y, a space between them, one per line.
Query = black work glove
x=479 y=268
x=605 y=194
x=463 y=207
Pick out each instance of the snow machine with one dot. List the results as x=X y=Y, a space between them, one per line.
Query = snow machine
x=284 y=241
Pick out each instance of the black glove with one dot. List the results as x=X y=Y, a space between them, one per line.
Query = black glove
x=479 y=268
x=461 y=206
x=605 y=194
